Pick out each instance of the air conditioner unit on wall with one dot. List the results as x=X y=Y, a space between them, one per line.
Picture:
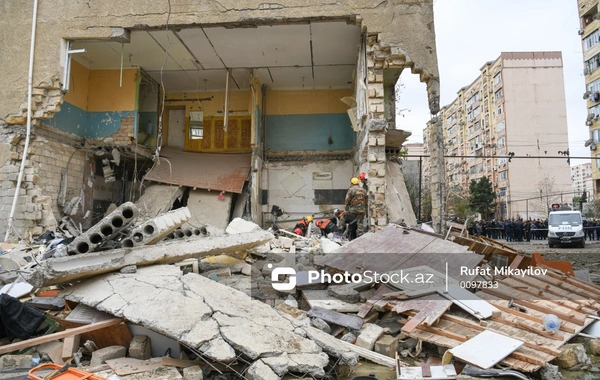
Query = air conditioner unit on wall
x=580 y=32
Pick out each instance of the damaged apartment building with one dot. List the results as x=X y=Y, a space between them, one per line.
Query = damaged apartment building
x=227 y=107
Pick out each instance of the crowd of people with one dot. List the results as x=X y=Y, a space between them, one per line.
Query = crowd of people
x=524 y=230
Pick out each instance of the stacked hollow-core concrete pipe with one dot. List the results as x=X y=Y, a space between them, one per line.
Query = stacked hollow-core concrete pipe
x=187 y=233
x=156 y=229
x=104 y=230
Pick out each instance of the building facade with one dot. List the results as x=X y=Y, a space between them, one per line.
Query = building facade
x=590 y=38
x=581 y=175
x=509 y=125
x=245 y=104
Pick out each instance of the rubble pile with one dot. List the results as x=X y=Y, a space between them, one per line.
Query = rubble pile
x=143 y=296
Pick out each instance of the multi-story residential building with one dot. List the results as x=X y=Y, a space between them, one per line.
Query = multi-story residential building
x=510 y=125
x=590 y=36
x=581 y=175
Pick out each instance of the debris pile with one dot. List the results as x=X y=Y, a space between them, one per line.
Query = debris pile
x=138 y=295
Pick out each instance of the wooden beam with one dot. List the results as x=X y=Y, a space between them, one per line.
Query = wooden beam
x=370 y=355
x=59 y=335
x=527 y=358
x=572 y=280
x=543 y=309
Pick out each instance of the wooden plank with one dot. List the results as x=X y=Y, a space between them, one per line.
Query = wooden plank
x=70 y=345
x=516 y=262
x=469 y=302
x=528 y=358
x=430 y=309
x=128 y=366
x=113 y=335
x=370 y=355
x=349 y=321
x=529 y=317
x=320 y=298
x=376 y=297
x=486 y=349
x=58 y=335
x=572 y=280
x=571 y=318
x=172 y=362
x=426 y=370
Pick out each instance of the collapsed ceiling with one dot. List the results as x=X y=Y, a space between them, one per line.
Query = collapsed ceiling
x=314 y=55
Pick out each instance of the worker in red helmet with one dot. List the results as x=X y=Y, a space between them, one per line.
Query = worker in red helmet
x=327 y=227
x=302 y=226
x=364 y=180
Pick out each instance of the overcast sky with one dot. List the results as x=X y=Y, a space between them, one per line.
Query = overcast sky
x=472 y=32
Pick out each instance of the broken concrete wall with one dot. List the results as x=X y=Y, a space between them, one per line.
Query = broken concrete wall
x=49 y=155
x=305 y=188
x=208 y=209
x=67 y=269
x=405 y=23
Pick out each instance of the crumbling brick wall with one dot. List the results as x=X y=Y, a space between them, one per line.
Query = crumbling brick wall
x=124 y=135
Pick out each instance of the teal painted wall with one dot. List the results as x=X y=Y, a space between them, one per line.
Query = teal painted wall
x=92 y=125
x=310 y=132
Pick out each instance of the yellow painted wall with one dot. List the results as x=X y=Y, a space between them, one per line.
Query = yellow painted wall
x=303 y=102
x=238 y=102
x=106 y=95
x=79 y=85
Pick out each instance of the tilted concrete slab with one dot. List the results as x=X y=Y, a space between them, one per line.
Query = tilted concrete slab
x=68 y=269
x=217 y=320
x=156 y=229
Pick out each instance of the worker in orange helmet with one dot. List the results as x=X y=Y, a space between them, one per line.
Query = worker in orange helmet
x=302 y=226
x=327 y=226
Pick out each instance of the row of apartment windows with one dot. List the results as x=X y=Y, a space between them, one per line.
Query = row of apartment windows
x=473 y=99
x=497 y=79
x=474 y=113
x=591 y=40
x=500 y=126
x=451 y=118
x=592 y=63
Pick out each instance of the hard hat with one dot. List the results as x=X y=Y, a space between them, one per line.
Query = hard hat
x=318 y=222
x=309 y=218
x=354 y=181
x=362 y=176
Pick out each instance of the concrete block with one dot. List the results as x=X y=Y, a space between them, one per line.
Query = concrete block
x=387 y=345
x=111 y=352
x=157 y=228
x=104 y=230
x=16 y=361
x=369 y=335
x=193 y=373
x=239 y=225
x=140 y=347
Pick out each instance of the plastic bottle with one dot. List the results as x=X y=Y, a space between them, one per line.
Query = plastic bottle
x=551 y=323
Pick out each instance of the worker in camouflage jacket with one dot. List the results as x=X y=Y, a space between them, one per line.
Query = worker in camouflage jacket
x=356 y=207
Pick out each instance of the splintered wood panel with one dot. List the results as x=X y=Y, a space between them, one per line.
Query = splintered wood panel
x=486 y=349
x=430 y=309
x=212 y=171
x=469 y=302
x=108 y=336
x=246 y=133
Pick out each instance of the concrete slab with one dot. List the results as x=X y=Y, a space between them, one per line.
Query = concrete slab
x=206 y=315
x=68 y=269
x=158 y=198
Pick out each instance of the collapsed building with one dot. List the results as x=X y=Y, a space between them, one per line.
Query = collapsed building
x=230 y=108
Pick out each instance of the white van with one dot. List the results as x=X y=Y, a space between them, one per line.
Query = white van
x=565 y=227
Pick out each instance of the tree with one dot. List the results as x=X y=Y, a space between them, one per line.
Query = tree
x=459 y=206
x=481 y=196
x=547 y=194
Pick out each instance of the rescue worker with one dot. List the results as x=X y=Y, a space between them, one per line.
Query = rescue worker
x=363 y=178
x=356 y=207
x=302 y=226
x=327 y=227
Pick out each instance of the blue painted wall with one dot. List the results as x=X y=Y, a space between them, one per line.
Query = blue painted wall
x=93 y=125
x=310 y=132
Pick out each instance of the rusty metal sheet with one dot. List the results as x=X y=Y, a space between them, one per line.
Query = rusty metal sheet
x=391 y=249
x=211 y=171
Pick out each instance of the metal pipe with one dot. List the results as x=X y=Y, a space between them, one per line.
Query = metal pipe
x=29 y=96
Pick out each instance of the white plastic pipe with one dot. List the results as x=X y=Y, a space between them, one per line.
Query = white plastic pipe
x=29 y=95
